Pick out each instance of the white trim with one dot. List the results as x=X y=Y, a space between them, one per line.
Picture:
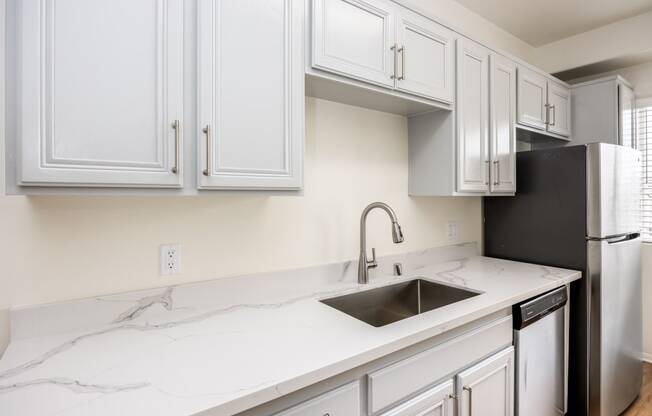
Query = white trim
x=646 y=357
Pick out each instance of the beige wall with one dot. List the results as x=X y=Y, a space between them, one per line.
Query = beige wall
x=54 y=248
x=622 y=39
x=475 y=26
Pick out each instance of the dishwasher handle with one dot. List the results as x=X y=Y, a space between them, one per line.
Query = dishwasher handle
x=532 y=310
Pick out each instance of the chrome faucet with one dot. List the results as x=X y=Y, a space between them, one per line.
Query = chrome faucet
x=364 y=264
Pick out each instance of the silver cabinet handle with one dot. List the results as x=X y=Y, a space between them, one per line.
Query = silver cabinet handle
x=486 y=182
x=467 y=388
x=209 y=150
x=401 y=50
x=497 y=178
x=394 y=49
x=177 y=138
x=554 y=115
x=547 y=118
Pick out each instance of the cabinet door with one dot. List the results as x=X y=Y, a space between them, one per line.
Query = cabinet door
x=425 y=57
x=472 y=117
x=487 y=389
x=559 y=108
x=502 y=108
x=250 y=86
x=627 y=119
x=100 y=90
x=355 y=38
x=532 y=99
x=438 y=401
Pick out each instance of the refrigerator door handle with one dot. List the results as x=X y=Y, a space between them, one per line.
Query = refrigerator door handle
x=622 y=238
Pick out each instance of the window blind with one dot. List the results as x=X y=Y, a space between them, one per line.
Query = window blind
x=644 y=136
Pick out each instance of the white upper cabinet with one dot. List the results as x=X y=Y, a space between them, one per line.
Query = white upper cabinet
x=250 y=94
x=542 y=103
x=379 y=42
x=425 y=56
x=472 y=117
x=559 y=109
x=487 y=389
x=532 y=99
x=100 y=93
x=355 y=38
x=502 y=109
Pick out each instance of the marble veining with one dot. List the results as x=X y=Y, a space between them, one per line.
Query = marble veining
x=231 y=344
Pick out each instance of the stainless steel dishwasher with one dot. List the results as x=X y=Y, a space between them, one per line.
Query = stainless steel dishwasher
x=541 y=342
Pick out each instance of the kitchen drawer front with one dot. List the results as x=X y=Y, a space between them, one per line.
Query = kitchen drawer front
x=343 y=401
x=391 y=384
x=437 y=401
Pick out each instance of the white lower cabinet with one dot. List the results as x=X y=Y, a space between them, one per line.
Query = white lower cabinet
x=438 y=401
x=487 y=389
x=343 y=401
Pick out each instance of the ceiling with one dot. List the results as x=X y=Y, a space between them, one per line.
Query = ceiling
x=538 y=22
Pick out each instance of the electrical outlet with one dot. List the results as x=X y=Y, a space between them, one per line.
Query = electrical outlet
x=170 y=259
x=452 y=231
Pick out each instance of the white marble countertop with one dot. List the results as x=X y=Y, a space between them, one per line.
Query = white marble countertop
x=233 y=343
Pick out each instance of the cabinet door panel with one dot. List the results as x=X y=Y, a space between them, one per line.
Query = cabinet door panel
x=487 y=389
x=343 y=401
x=250 y=94
x=472 y=117
x=98 y=104
x=425 y=58
x=627 y=118
x=532 y=99
x=559 y=106
x=503 y=110
x=354 y=38
x=437 y=401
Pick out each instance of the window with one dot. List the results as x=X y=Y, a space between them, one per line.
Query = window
x=644 y=135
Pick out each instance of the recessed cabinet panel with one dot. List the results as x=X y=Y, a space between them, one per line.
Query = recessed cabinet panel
x=559 y=107
x=487 y=389
x=502 y=109
x=473 y=117
x=627 y=117
x=532 y=99
x=437 y=401
x=343 y=401
x=355 y=38
x=250 y=104
x=425 y=58
x=100 y=88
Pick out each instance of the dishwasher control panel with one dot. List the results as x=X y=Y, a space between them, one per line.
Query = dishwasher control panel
x=531 y=311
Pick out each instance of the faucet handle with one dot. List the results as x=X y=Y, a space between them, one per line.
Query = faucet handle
x=372 y=263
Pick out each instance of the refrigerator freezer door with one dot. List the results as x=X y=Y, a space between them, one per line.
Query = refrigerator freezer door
x=616 y=324
x=613 y=176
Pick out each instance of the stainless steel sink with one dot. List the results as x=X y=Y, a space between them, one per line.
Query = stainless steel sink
x=384 y=305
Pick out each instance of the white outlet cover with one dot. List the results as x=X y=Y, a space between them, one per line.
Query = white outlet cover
x=170 y=259
x=452 y=231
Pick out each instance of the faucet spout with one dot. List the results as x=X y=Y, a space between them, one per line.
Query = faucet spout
x=364 y=263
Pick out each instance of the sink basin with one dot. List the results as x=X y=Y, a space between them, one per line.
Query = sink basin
x=384 y=305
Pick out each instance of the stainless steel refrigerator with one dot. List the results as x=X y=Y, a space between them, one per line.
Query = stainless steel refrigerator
x=578 y=207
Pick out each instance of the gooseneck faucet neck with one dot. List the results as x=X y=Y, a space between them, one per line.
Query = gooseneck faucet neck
x=364 y=263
